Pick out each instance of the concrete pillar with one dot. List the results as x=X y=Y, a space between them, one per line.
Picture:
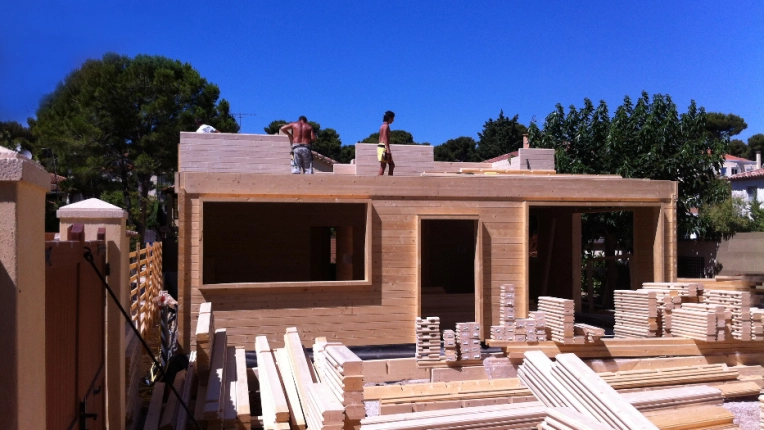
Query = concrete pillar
x=94 y=213
x=23 y=184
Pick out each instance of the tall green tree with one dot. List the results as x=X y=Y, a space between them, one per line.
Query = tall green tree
x=646 y=139
x=115 y=122
x=738 y=148
x=500 y=136
x=755 y=143
x=724 y=125
x=14 y=135
x=460 y=149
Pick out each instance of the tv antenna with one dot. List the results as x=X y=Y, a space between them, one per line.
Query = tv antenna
x=240 y=115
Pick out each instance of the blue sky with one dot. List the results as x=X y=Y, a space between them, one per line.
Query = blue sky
x=444 y=67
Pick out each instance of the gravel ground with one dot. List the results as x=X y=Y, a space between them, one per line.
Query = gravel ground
x=746 y=414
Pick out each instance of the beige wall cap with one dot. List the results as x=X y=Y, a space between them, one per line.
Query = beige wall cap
x=91 y=208
x=14 y=168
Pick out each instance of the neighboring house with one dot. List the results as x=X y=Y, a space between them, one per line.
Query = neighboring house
x=735 y=165
x=749 y=185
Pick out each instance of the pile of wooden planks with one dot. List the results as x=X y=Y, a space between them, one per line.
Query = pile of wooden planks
x=723 y=317
x=670 y=376
x=559 y=315
x=513 y=416
x=342 y=370
x=696 y=417
x=274 y=405
x=568 y=382
x=589 y=332
x=468 y=340
x=667 y=300
x=222 y=396
x=757 y=324
x=636 y=313
x=449 y=345
x=428 y=339
x=696 y=324
x=507 y=304
x=739 y=304
x=321 y=408
x=689 y=290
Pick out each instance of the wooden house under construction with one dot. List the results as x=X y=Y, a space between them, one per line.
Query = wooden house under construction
x=357 y=258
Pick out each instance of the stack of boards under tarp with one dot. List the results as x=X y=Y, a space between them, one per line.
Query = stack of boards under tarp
x=342 y=370
x=428 y=339
x=569 y=383
x=559 y=315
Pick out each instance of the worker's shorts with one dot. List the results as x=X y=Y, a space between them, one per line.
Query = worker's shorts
x=303 y=159
x=382 y=156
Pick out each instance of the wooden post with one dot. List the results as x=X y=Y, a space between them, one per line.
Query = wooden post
x=23 y=184
x=110 y=220
x=576 y=263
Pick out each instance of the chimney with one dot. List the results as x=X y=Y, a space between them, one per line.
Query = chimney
x=526 y=145
x=758 y=159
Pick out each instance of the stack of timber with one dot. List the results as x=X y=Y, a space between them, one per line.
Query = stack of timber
x=272 y=397
x=342 y=370
x=667 y=300
x=321 y=408
x=636 y=313
x=539 y=322
x=757 y=324
x=695 y=324
x=428 y=339
x=723 y=318
x=224 y=401
x=507 y=304
x=172 y=415
x=559 y=315
x=568 y=382
x=468 y=340
x=589 y=332
x=514 y=416
x=649 y=378
x=567 y=418
x=449 y=345
x=689 y=290
x=737 y=302
x=205 y=332
x=531 y=329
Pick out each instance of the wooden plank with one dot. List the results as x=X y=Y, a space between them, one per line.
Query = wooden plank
x=296 y=415
x=170 y=414
x=243 y=412
x=216 y=381
x=270 y=385
x=691 y=418
x=155 y=407
x=229 y=407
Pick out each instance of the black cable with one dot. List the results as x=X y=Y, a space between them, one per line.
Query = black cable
x=89 y=259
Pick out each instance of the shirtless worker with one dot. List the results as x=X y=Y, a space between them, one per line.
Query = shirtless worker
x=384 y=155
x=300 y=137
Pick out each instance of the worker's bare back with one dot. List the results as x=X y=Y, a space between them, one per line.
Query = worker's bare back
x=302 y=133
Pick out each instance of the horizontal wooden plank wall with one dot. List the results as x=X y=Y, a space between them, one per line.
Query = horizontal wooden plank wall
x=410 y=160
x=240 y=153
x=384 y=311
x=533 y=159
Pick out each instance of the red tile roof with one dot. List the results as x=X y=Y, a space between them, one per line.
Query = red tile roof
x=758 y=173
x=502 y=157
x=728 y=157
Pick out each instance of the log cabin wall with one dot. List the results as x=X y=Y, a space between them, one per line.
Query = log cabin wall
x=381 y=308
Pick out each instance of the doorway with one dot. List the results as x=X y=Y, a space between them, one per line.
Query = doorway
x=448 y=270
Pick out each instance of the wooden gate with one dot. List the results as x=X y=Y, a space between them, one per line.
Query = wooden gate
x=74 y=334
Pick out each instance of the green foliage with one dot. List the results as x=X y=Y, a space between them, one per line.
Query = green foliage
x=115 y=122
x=14 y=135
x=500 y=137
x=755 y=143
x=649 y=139
x=274 y=126
x=459 y=149
x=721 y=125
x=727 y=217
x=738 y=148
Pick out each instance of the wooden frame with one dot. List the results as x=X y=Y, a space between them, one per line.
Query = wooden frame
x=244 y=286
x=478 y=259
